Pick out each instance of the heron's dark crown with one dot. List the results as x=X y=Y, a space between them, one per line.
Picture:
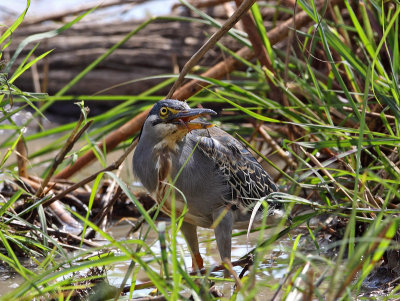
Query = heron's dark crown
x=169 y=103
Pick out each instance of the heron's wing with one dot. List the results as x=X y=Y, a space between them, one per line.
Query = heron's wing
x=246 y=177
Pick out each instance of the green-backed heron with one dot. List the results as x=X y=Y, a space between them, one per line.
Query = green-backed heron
x=220 y=179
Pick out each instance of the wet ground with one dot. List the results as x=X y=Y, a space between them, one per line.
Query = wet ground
x=270 y=271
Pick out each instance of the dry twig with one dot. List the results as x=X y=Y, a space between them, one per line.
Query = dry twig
x=101 y=217
x=259 y=49
x=75 y=135
x=275 y=35
x=22 y=155
x=276 y=147
x=110 y=142
x=235 y=276
x=242 y=9
x=111 y=167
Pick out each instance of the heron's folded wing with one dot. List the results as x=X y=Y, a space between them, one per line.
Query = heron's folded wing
x=245 y=175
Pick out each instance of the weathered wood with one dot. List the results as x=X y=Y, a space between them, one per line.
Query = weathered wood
x=78 y=10
x=153 y=51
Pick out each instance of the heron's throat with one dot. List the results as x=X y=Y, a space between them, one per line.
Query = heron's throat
x=170 y=142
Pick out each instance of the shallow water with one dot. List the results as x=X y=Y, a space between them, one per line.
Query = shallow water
x=270 y=271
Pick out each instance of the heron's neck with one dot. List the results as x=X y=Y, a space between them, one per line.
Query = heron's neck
x=171 y=141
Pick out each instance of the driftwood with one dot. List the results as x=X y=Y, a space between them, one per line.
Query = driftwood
x=157 y=49
x=58 y=16
x=161 y=47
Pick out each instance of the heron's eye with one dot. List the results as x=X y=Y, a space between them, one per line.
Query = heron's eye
x=163 y=112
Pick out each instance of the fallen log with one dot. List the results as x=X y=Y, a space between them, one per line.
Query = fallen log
x=158 y=48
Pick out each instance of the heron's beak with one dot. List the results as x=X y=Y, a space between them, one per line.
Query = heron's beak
x=186 y=119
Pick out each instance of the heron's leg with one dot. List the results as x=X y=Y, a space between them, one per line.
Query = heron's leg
x=223 y=231
x=189 y=231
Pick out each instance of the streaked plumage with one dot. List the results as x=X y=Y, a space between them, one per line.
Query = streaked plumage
x=218 y=175
x=246 y=177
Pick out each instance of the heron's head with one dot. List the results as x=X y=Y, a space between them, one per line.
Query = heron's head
x=173 y=119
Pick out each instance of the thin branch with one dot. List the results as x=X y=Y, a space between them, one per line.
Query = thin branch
x=229 y=267
x=75 y=135
x=325 y=171
x=276 y=147
x=110 y=142
x=225 y=67
x=255 y=39
x=372 y=114
x=243 y=8
x=111 y=167
x=102 y=215
x=22 y=155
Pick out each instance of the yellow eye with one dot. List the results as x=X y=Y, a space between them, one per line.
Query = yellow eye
x=163 y=111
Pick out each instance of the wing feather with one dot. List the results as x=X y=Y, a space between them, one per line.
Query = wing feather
x=246 y=177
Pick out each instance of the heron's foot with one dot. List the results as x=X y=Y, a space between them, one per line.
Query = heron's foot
x=197 y=262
